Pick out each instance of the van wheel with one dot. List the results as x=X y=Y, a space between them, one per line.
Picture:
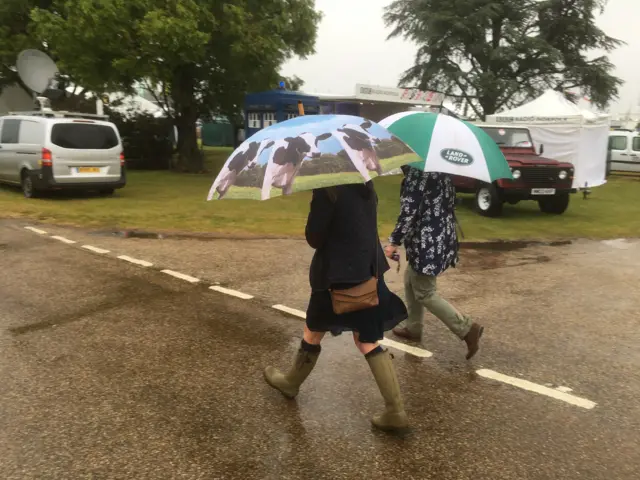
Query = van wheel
x=28 y=189
x=488 y=201
x=555 y=205
x=107 y=192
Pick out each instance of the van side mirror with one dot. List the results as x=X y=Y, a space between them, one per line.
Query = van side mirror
x=541 y=148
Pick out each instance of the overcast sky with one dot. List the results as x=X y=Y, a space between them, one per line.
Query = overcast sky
x=352 y=48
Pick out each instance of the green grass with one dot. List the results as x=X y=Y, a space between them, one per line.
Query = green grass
x=176 y=202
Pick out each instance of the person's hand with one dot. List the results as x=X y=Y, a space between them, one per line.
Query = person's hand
x=390 y=251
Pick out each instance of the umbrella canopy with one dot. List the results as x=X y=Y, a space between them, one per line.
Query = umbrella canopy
x=309 y=152
x=448 y=145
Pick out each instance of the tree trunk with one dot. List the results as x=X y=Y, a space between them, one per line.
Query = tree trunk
x=189 y=156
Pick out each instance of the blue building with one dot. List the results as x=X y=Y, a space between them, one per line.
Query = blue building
x=263 y=109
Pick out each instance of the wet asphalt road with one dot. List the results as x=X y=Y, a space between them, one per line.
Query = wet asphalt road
x=112 y=371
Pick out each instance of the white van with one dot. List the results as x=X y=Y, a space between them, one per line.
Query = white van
x=624 y=148
x=43 y=151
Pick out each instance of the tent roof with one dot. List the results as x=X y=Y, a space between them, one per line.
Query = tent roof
x=550 y=107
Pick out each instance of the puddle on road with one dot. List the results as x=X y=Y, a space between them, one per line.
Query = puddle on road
x=127 y=234
x=510 y=246
x=493 y=255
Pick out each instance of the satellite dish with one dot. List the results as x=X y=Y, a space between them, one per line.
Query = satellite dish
x=39 y=73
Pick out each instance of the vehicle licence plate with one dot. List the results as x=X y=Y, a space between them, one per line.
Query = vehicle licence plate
x=88 y=169
x=543 y=191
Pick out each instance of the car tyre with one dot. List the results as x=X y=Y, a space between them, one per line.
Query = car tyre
x=28 y=188
x=488 y=201
x=555 y=205
x=107 y=192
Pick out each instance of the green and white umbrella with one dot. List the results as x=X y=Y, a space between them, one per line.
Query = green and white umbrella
x=449 y=145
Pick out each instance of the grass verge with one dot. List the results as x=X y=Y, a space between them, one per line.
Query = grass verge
x=176 y=202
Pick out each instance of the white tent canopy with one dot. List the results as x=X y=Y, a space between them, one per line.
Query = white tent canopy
x=568 y=132
x=127 y=105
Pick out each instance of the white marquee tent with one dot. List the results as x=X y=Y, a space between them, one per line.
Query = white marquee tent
x=567 y=132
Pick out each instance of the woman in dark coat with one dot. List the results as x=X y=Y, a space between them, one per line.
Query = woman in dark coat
x=342 y=228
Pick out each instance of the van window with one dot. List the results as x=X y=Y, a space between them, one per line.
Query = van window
x=636 y=144
x=30 y=132
x=10 y=131
x=618 y=142
x=84 y=136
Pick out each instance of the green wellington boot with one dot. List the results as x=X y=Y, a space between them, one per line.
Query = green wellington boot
x=394 y=418
x=289 y=383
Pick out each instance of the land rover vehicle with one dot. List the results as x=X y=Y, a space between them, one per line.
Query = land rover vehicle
x=535 y=177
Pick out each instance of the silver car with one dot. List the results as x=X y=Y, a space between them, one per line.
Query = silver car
x=58 y=150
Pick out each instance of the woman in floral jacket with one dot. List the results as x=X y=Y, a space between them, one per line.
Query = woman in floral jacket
x=427 y=228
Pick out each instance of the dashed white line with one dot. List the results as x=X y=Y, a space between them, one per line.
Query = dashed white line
x=290 y=311
x=142 y=263
x=541 y=389
x=36 y=230
x=418 y=352
x=181 y=276
x=233 y=293
x=95 y=249
x=559 y=393
x=64 y=239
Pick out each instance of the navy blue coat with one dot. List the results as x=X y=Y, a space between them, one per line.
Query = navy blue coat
x=343 y=231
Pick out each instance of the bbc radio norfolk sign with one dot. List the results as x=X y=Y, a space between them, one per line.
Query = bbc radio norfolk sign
x=398 y=95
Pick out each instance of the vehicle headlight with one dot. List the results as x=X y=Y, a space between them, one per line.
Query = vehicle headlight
x=563 y=174
x=516 y=174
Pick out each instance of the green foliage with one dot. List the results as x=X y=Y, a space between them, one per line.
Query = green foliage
x=294 y=83
x=146 y=140
x=16 y=35
x=327 y=164
x=390 y=149
x=500 y=53
x=206 y=54
x=251 y=177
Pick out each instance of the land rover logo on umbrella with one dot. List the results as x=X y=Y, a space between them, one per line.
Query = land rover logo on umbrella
x=457 y=157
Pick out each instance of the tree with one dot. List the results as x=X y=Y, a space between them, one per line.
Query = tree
x=494 y=54
x=16 y=35
x=294 y=83
x=202 y=54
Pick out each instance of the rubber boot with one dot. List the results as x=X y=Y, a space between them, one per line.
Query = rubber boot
x=472 y=339
x=394 y=418
x=289 y=383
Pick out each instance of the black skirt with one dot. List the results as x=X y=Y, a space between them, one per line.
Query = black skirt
x=370 y=323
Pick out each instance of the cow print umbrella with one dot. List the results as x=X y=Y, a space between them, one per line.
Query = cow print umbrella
x=309 y=152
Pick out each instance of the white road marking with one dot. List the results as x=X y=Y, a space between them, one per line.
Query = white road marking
x=233 y=293
x=181 y=276
x=564 y=389
x=95 y=249
x=534 y=387
x=290 y=311
x=64 y=240
x=418 y=352
x=36 y=230
x=142 y=263
x=558 y=393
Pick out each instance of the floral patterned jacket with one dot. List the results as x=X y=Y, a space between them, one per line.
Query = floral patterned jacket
x=427 y=223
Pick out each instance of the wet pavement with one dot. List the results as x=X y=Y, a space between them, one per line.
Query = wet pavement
x=109 y=370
